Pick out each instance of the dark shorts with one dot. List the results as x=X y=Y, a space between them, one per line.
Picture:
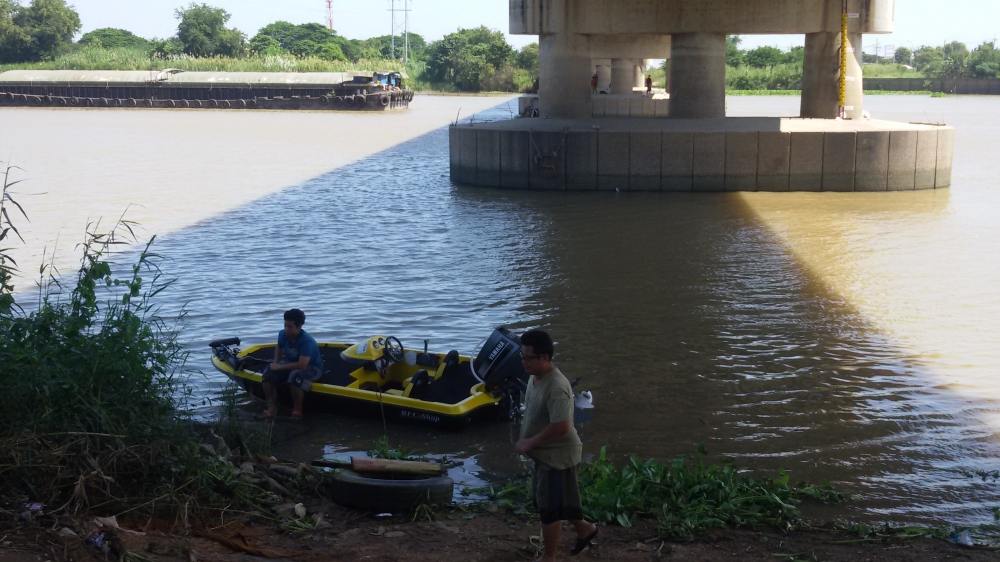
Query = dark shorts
x=301 y=378
x=556 y=494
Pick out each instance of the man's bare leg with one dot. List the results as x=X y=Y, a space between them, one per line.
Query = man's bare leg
x=550 y=540
x=271 y=394
x=297 y=398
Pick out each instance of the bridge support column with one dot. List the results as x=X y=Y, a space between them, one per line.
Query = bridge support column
x=698 y=75
x=639 y=74
x=821 y=75
x=622 y=76
x=565 y=71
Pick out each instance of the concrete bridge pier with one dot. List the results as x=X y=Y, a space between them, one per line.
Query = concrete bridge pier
x=564 y=70
x=698 y=75
x=639 y=73
x=622 y=76
x=627 y=74
x=821 y=76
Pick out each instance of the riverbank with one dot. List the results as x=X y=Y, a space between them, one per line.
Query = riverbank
x=473 y=535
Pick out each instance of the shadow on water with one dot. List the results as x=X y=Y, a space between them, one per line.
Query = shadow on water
x=693 y=324
x=689 y=319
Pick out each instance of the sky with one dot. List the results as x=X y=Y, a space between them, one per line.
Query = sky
x=918 y=22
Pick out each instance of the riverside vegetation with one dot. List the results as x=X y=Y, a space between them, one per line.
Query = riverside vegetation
x=94 y=424
x=41 y=35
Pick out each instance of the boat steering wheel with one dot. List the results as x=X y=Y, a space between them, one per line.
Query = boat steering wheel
x=393 y=349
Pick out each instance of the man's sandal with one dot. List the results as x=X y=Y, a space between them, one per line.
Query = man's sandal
x=584 y=543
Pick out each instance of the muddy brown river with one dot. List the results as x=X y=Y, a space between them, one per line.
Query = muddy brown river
x=844 y=337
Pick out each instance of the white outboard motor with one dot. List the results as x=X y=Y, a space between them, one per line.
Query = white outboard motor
x=498 y=364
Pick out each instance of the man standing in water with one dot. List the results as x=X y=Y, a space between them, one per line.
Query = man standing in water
x=549 y=438
x=297 y=363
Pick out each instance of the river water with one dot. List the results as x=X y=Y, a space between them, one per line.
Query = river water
x=845 y=337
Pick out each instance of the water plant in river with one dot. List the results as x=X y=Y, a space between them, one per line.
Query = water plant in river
x=686 y=496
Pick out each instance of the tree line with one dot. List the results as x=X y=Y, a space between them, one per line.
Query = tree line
x=467 y=60
x=951 y=61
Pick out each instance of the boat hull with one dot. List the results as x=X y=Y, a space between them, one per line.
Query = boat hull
x=429 y=388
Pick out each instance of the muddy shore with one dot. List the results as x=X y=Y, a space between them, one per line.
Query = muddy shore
x=479 y=536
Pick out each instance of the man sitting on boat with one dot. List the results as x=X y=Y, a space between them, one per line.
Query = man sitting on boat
x=297 y=363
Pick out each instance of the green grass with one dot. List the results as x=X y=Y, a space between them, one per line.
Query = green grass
x=763 y=92
x=686 y=496
x=98 y=58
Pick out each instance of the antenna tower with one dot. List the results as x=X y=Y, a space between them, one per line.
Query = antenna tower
x=329 y=15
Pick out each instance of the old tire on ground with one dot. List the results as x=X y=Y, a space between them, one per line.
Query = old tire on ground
x=384 y=100
x=381 y=494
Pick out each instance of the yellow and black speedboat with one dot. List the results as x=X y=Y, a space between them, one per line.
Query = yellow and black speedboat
x=437 y=388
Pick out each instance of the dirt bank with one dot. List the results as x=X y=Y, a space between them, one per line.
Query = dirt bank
x=456 y=534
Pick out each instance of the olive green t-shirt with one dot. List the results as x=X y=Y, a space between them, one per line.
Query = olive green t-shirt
x=549 y=399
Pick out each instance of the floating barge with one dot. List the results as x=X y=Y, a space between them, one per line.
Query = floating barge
x=172 y=88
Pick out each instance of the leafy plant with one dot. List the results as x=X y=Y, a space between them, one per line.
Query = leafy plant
x=686 y=496
x=381 y=449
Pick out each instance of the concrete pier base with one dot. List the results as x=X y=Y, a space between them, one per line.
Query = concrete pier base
x=722 y=154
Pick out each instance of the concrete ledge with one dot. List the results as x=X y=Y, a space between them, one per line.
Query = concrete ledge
x=872 y=161
x=709 y=162
x=731 y=154
x=806 y=162
x=645 y=156
x=773 y=159
x=902 y=160
x=741 y=161
x=677 y=161
x=612 y=160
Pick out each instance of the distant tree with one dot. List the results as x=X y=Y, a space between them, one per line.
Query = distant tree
x=40 y=30
x=202 y=32
x=734 y=56
x=947 y=62
x=795 y=55
x=382 y=46
x=469 y=58
x=527 y=58
x=984 y=61
x=113 y=38
x=14 y=40
x=166 y=48
x=356 y=49
x=927 y=57
x=764 y=57
x=264 y=45
x=903 y=56
x=304 y=40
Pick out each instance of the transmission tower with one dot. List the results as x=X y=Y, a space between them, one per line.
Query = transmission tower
x=406 y=28
x=329 y=15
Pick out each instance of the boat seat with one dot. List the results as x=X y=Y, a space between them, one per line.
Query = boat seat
x=419 y=383
x=450 y=388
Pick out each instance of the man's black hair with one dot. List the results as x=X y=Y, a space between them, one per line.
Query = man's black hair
x=540 y=342
x=296 y=316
